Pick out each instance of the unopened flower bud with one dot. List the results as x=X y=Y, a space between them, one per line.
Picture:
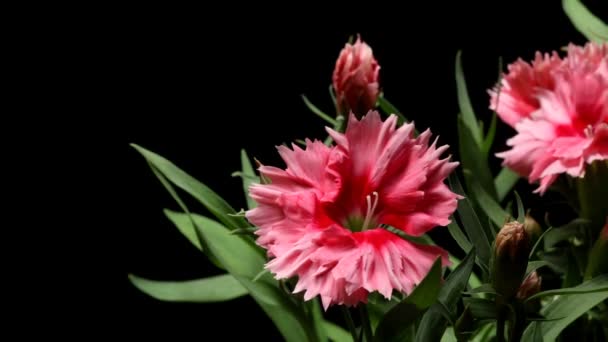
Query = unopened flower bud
x=598 y=256
x=532 y=227
x=530 y=286
x=355 y=79
x=510 y=259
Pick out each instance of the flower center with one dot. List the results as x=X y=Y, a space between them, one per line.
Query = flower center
x=356 y=222
x=589 y=131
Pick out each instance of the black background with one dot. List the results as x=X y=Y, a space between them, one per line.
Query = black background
x=197 y=85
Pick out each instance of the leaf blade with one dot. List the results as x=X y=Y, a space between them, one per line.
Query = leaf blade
x=397 y=323
x=243 y=261
x=433 y=324
x=248 y=178
x=565 y=310
x=504 y=182
x=584 y=21
x=464 y=103
x=207 y=197
x=318 y=112
x=207 y=290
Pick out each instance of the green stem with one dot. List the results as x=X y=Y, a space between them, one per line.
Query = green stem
x=500 y=327
x=518 y=322
x=365 y=325
x=349 y=322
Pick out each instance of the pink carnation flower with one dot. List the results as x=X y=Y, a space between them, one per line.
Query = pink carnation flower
x=323 y=218
x=516 y=97
x=570 y=127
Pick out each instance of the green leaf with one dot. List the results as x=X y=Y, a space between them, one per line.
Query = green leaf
x=213 y=289
x=474 y=281
x=504 y=182
x=534 y=265
x=569 y=308
x=213 y=202
x=481 y=308
x=521 y=214
x=585 y=22
x=471 y=224
x=338 y=127
x=425 y=294
x=573 y=274
x=597 y=284
x=317 y=111
x=433 y=324
x=449 y=336
x=537 y=334
x=485 y=288
x=456 y=282
x=456 y=232
x=470 y=156
x=489 y=139
x=190 y=234
x=558 y=260
x=464 y=103
x=265 y=291
x=572 y=229
x=484 y=333
x=540 y=238
x=397 y=323
x=388 y=108
x=314 y=309
x=332 y=94
x=489 y=205
x=336 y=333
x=243 y=261
x=248 y=178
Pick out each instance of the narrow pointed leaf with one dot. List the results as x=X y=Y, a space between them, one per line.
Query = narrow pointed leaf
x=540 y=239
x=397 y=323
x=470 y=157
x=388 y=108
x=489 y=139
x=572 y=229
x=336 y=333
x=316 y=313
x=332 y=94
x=456 y=232
x=464 y=103
x=485 y=288
x=521 y=214
x=244 y=262
x=213 y=289
x=481 y=308
x=489 y=205
x=569 y=308
x=534 y=265
x=470 y=222
x=249 y=177
x=597 y=284
x=318 y=112
x=433 y=324
x=212 y=201
x=585 y=22
x=504 y=182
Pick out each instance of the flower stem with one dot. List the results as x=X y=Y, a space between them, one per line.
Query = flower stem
x=349 y=322
x=365 y=324
x=500 y=327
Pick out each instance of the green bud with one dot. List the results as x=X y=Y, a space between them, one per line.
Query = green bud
x=532 y=228
x=510 y=259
